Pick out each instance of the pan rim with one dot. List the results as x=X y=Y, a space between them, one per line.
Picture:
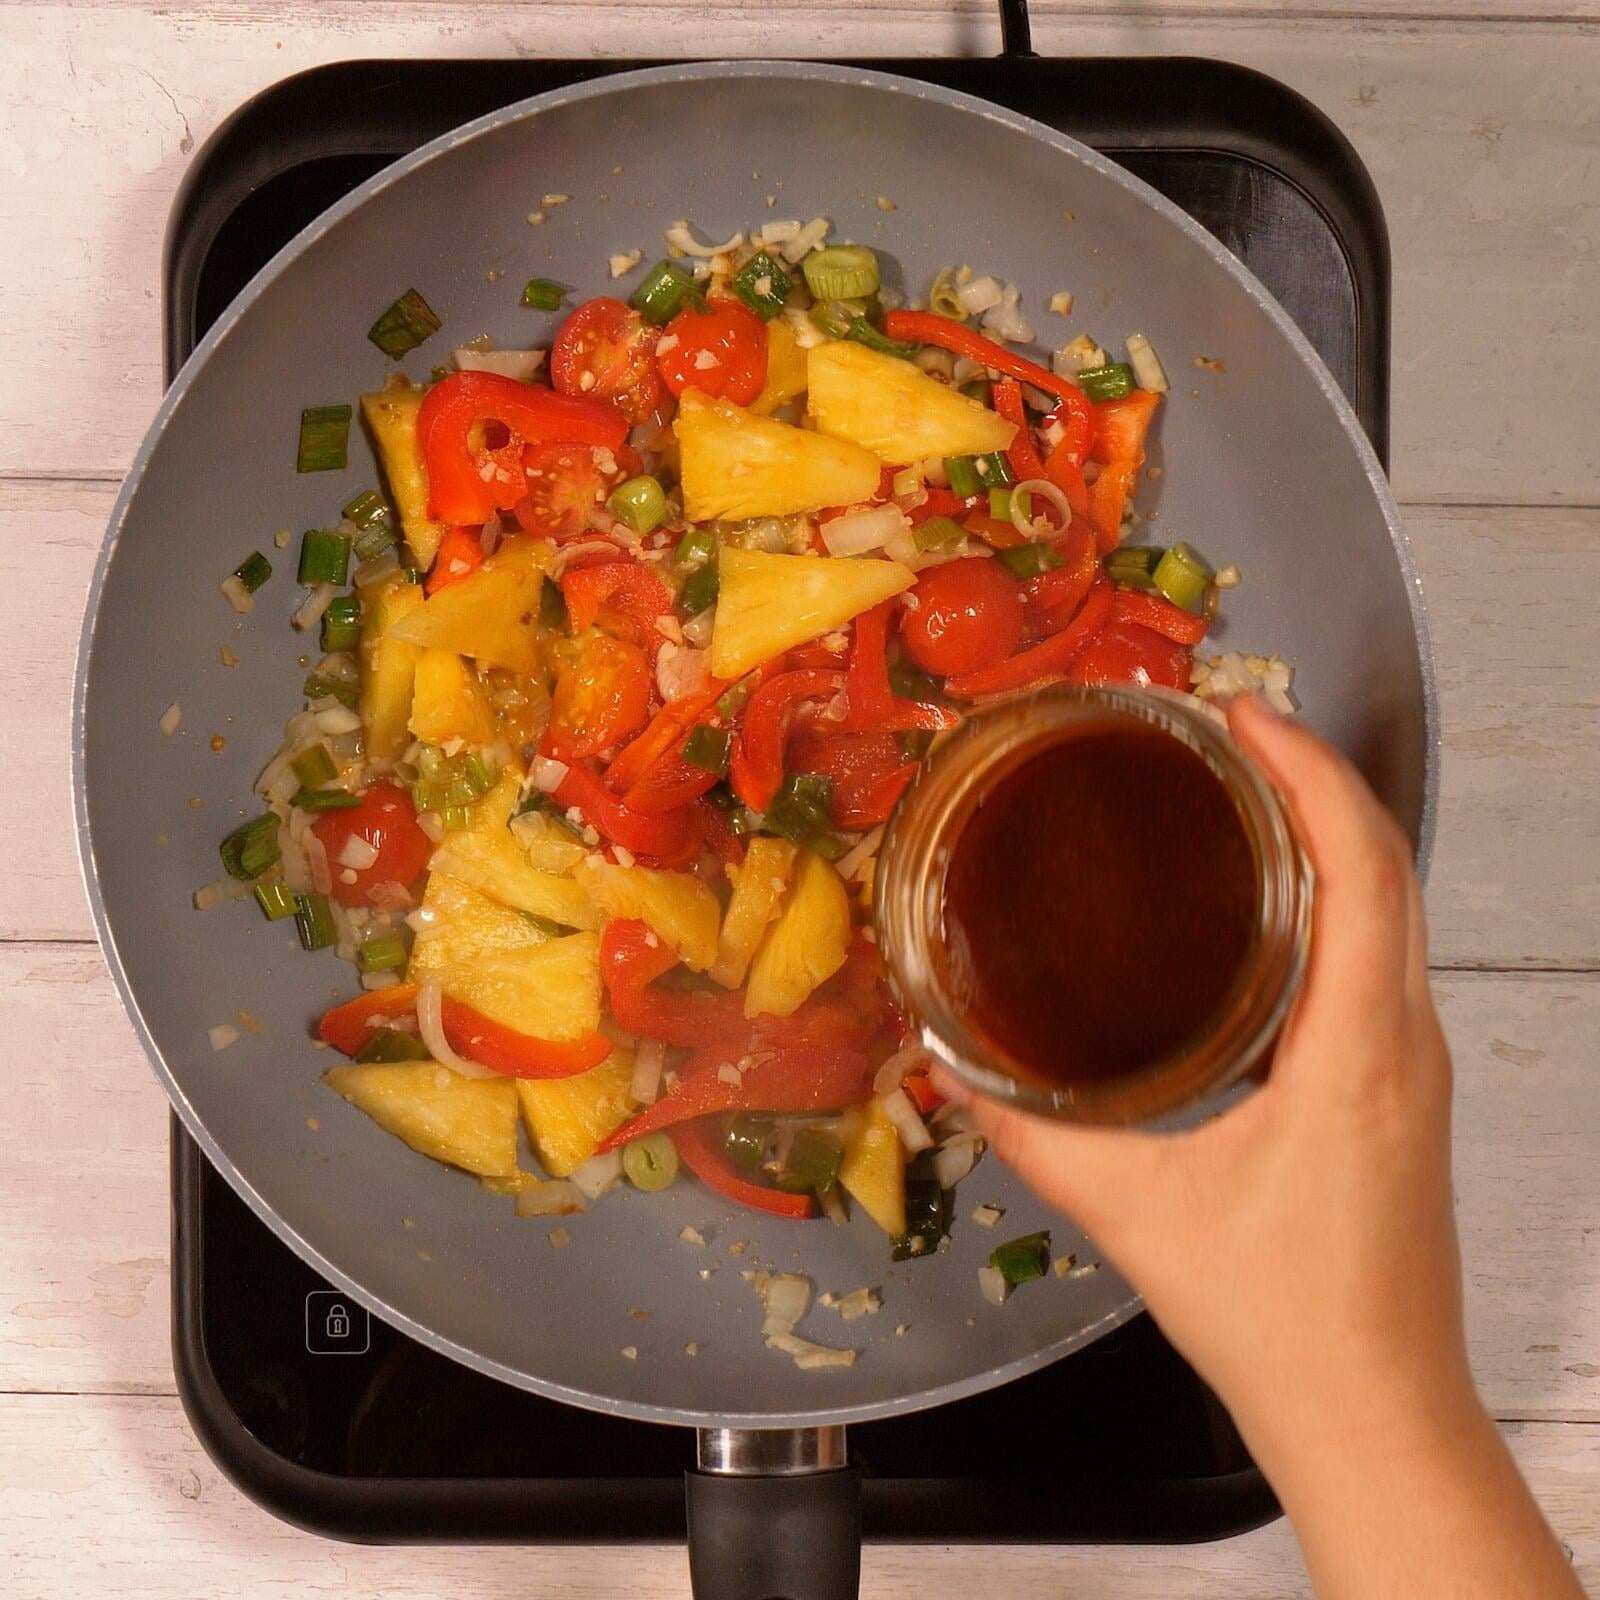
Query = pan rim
x=533 y=106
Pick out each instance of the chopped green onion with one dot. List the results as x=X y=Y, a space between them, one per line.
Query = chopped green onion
x=389 y=1044
x=276 y=901
x=734 y=698
x=812 y=1163
x=367 y=510
x=1024 y=1259
x=873 y=338
x=325 y=800
x=707 y=748
x=1135 y=558
x=1000 y=504
x=639 y=503
x=410 y=572
x=651 y=1163
x=699 y=591
x=833 y=317
x=841 y=272
x=341 y=624
x=995 y=468
x=979 y=389
x=540 y=294
x=544 y=924
x=961 y=473
x=315 y=766
x=937 y=533
x=733 y=809
x=666 y=290
x=454 y=818
x=944 y=299
x=553 y=813
x=316 y=687
x=253 y=571
x=1114 y=382
x=324 y=439
x=927 y=1220
x=374 y=541
x=907 y=682
x=313 y=919
x=381 y=954
x=914 y=743
x=1028 y=560
x=745 y=1142
x=552 y=605
x=695 y=548
x=404 y=325
x=324 y=556
x=251 y=848
x=763 y=285
x=1182 y=577
x=478 y=775
x=803 y=812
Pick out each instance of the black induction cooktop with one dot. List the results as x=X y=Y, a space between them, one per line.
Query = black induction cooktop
x=341 y=1424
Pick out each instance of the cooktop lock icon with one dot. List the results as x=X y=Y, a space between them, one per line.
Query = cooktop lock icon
x=335 y=1325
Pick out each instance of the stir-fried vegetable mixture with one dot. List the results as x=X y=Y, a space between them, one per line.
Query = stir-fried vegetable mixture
x=625 y=665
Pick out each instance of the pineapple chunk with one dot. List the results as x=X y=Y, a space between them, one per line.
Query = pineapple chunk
x=391 y=413
x=737 y=465
x=895 y=409
x=550 y=846
x=758 y=886
x=786 y=368
x=488 y=858
x=874 y=1171
x=770 y=603
x=491 y=615
x=676 y=905
x=568 y=1117
x=388 y=667
x=806 y=945
x=466 y=1122
x=448 y=701
x=464 y=926
x=548 y=991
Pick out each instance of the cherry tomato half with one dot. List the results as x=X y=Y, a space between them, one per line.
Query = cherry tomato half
x=721 y=351
x=600 y=699
x=565 y=483
x=968 y=616
x=606 y=351
x=387 y=821
x=1126 y=652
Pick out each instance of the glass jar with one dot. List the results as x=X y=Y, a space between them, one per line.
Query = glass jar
x=909 y=902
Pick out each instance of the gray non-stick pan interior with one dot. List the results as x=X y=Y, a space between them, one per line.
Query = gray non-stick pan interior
x=1262 y=465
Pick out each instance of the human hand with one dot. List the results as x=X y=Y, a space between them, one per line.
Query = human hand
x=1299 y=1249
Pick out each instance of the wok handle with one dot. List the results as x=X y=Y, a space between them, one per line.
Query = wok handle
x=1016 y=32
x=774 y=1515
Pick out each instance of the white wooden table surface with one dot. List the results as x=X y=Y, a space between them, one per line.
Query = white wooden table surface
x=1480 y=121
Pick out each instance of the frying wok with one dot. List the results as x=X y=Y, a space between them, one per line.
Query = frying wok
x=1264 y=466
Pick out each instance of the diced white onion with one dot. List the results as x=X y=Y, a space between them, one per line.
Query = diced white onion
x=222 y=1035
x=807 y=334
x=914 y=1135
x=432 y=825
x=1037 y=528
x=833 y=1207
x=624 y=262
x=729 y=1074
x=568 y=553
x=860 y=1303
x=558 y=1198
x=809 y=238
x=221 y=892
x=1005 y=320
x=520 y=365
x=430 y=1024
x=317 y=863
x=237 y=596
x=980 y=294
x=681 y=237
x=598 y=1174
x=170 y=718
x=357 y=852
x=648 y=1061
x=849 y=865
x=1147 y=369
x=784 y=1298
x=380 y=569
x=546 y=775
x=952 y=1162
x=681 y=671
x=339 y=719
x=309 y=612
x=992 y=1281
x=857 y=532
x=379 y=980
x=697 y=630
x=778 y=232
x=807 y=1355
x=909 y=1058
x=987 y=1216
x=692 y=1236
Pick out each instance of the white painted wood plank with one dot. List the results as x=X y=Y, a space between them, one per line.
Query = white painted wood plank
x=113 y=1495
x=83 y=1211
x=1518 y=688
x=1479 y=136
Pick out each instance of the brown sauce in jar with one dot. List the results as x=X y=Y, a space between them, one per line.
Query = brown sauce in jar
x=1099 y=904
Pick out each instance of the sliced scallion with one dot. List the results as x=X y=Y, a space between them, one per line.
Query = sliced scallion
x=863 y=332
x=708 y=748
x=324 y=556
x=382 y=953
x=251 y=848
x=325 y=800
x=695 y=548
x=907 y=682
x=341 y=625
x=841 y=272
x=540 y=294
x=745 y=1142
x=324 y=439
x=544 y=924
x=699 y=591
x=315 y=766
x=454 y=818
x=313 y=920
x=803 y=812
x=666 y=290
x=979 y=389
x=1028 y=560
x=372 y=542
x=552 y=605
x=1113 y=382
x=995 y=468
x=961 y=473
x=639 y=503
x=404 y=325
x=1022 y=1260
x=1000 y=504
x=927 y=1220
x=937 y=533
x=1182 y=577
x=276 y=901
x=389 y=1044
x=253 y=571
x=367 y=510
x=316 y=687
x=812 y=1163
x=651 y=1163
x=763 y=285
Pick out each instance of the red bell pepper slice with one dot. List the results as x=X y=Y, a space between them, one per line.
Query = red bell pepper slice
x=671 y=782
x=928 y=327
x=1075 y=417
x=699 y=1152
x=1022 y=455
x=939 y=503
x=346 y=1026
x=665 y=730
x=1158 y=613
x=663 y=838
x=1121 y=426
x=721 y=840
x=756 y=766
x=1051 y=599
x=1108 y=497
x=459 y=555
x=866 y=681
x=996 y=534
x=454 y=406
x=1067 y=475
x=624 y=597
x=1048 y=660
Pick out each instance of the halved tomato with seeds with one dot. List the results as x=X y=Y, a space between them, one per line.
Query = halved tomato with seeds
x=606 y=351
x=566 y=482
